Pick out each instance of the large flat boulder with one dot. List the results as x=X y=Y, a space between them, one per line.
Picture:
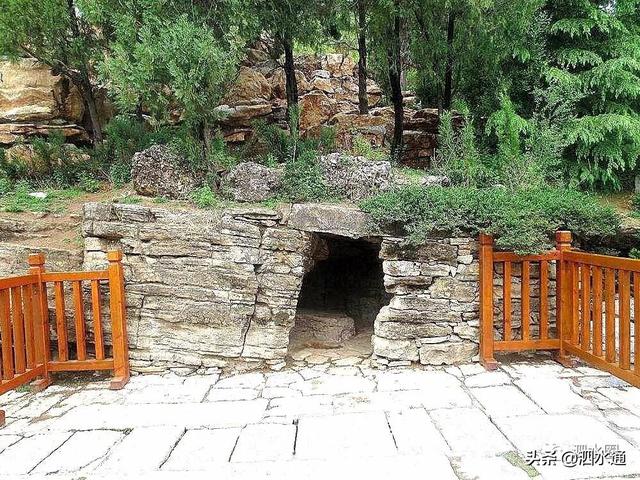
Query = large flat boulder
x=252 y=182
x=325 y=328
x=328 y=218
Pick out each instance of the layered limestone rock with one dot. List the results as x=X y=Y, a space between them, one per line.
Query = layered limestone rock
x=33 y=101
x=208 y=287
x=202 y=286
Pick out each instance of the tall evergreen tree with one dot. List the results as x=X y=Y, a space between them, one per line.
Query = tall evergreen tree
x=595 y=46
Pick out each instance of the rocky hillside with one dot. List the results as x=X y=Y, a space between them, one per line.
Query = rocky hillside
x=328 y=88
x=35 y=102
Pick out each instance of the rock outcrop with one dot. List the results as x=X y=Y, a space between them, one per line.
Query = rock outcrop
x=355 y=178
x=252 y=182
x=33 y=102
x=159 y=172
x=328 y=89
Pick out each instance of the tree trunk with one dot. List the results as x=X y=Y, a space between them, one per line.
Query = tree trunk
x=82 y=79
x=86 y=90
x=363 y=99
x=395 y=83
x=290 y=75
x=448 y=74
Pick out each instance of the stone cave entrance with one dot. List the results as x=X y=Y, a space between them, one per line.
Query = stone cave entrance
x=341 y=295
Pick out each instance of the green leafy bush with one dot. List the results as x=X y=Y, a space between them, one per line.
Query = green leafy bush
x=523 y=221
x=635 y=202
x=362 y=147
x=287 y=145
x=205 y=197
x=457 y=155
x=303 y=179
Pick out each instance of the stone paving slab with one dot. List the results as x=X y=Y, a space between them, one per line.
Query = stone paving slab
x=266 y=442
x=323 y=422
x=544 y=432
x=353 y=434
x=143 y=449
x=202 y=450
x=189 y=415
x=80 y=451
x=469 y=430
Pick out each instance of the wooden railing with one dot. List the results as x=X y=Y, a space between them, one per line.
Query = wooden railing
x=596 y=302
x=603 y=297
x=502 y=265
x=28 y=303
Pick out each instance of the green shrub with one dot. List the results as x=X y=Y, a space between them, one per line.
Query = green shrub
x=457 y=155
x=635 y=202
x=219 y=158
x=634 y=253
x=6 y=185
x=523 y=221
x=362 y=147
x=303 y=179
x=88 y=184
x=284 y=146
x=205 y=197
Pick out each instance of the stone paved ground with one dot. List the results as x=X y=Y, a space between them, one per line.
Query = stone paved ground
x=323 y=422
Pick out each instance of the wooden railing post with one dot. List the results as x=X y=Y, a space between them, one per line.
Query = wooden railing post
x=563 y=297
x=486 y=303
x=41 y=314
x=118 y=321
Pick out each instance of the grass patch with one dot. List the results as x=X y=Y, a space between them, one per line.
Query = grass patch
x=21 y=199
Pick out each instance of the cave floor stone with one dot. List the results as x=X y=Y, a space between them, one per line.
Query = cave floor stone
x=327 y=421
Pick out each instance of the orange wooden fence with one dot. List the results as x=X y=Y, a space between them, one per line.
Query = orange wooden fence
x=25 y=326
x=594 y=306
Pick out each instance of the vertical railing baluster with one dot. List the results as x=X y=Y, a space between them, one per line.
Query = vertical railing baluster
x=506 y=300
x=610 y=315
x=525 y=300
x=61 y=323
x=597 y=311
x=78 y=305
x=544 y=300
x=625 y=319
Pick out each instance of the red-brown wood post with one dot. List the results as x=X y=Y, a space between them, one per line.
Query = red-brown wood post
x=118 y=321
x=563 y=297
x=486 y=303
x=42 y=334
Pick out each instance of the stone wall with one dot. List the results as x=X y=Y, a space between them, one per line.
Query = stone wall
x=433 y=315
x=207 y=287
